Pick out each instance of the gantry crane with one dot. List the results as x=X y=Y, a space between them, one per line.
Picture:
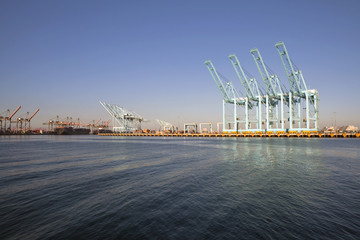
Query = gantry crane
x=274 y=96
x=252 y=91
x=231 y=96
x=128 y=120
x=27 y=120
x=165 y=125
x=10 y=117
x=298 y=91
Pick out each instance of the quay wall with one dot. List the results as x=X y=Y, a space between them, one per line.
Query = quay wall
x=244 y=134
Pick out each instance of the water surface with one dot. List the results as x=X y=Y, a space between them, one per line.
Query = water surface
x=93 y=187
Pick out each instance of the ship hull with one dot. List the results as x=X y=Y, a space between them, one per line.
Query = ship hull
x=71 y=131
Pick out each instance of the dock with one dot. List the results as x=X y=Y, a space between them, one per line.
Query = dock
x=239 y=135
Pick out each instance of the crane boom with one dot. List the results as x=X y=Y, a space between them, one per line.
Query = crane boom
x=297 y=82
x=271 y=81
x=114 y=111
x=9 y=118
x=97 y=121
x=33 y=115
x=250 y=86
x=217 y=80
x=163 y=123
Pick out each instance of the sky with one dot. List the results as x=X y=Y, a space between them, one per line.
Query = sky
x=65 y=56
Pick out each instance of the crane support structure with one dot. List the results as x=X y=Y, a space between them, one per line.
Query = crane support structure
x=300 y=97
x=252 y=92
x=205 y=130
x=230 y=96
x=275 y=99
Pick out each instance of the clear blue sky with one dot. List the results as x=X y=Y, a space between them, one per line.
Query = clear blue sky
x=148 y=56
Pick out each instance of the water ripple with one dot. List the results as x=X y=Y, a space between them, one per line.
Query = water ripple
x=89 y=187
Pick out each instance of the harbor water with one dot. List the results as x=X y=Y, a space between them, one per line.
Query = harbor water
x=103 y=187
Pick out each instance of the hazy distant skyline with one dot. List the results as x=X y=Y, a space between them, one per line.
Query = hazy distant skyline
x=148 y=56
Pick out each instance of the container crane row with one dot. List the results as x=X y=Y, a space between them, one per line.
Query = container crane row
x=275 y=100
x=22 y=121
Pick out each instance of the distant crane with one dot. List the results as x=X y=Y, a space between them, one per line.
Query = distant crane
x=66 y=122
x=27 y=120
x=97 y=122
x=165 y=125
x=10 y=117
x=106 y=124
x=128 y=120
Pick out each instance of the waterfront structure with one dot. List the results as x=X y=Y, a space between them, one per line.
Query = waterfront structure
x=269 y=134
x=253 y=95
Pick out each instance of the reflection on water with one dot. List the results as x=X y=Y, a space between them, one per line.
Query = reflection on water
x=94 y=187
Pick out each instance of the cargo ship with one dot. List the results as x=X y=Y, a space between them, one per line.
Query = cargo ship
x=71 y=131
